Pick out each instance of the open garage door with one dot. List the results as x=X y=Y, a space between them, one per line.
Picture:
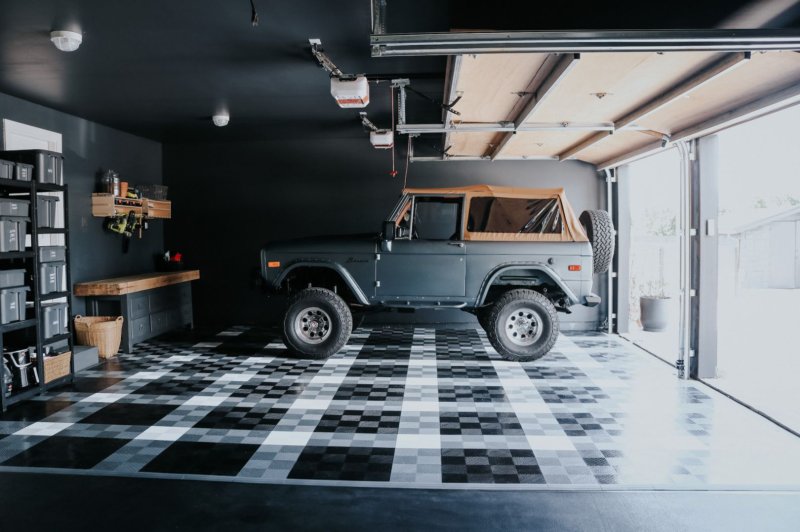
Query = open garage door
x=605 y=105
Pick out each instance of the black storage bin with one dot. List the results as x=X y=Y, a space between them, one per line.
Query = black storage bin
x=6 y=169
x=12 y=278
x=51 y=277
x=24 y=172
x=48 y=166
x=52 y=254
x=46 y=211
x=12 y=304
x=14 y=207
x=55 y=319
x=12 y=233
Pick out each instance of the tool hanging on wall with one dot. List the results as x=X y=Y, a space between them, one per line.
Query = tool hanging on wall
x=125 y=225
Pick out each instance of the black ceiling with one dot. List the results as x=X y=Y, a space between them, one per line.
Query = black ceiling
x=161 y=68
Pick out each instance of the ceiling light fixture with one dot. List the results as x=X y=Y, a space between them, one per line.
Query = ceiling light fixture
x=221 y=120
x=66 y=41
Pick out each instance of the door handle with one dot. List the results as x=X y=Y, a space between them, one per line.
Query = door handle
x=457 y=244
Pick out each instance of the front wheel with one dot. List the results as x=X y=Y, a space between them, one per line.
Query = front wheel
x=317 y=323
x=522 y=325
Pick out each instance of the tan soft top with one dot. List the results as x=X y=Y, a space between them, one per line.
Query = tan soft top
x=573 y=230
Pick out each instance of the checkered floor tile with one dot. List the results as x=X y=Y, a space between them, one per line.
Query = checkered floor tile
x=402 y=406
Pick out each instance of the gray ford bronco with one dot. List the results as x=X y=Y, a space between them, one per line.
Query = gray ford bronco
x=513 y=257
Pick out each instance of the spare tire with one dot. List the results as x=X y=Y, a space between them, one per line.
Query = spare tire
x=600 y=230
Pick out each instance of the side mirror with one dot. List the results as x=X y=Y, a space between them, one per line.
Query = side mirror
x=387 y=236
x=387 y=233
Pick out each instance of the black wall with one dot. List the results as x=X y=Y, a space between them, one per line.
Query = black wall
x=88 y=148
x=230 y=198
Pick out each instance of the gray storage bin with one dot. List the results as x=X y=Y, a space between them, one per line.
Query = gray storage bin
x=12 y=304
x=12 y=233
x=48 y=166
x=6 y=169
x=52 y=253
x=14 y=207
x=55 y=319
x=24 y=172
x=12 y=278
x=46 y=211
x=51 y=277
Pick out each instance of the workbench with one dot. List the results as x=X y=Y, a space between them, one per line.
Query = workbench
x=150 y=303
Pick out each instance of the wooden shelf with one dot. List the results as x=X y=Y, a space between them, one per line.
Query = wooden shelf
x=107 y=205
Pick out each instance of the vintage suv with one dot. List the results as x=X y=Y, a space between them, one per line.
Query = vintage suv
x=512 y=256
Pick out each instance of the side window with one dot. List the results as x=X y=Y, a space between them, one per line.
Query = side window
x=437 y=218
x=515 y=215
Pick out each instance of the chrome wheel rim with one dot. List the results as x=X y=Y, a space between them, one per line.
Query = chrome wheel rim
x=312 y=325
x=523 y=326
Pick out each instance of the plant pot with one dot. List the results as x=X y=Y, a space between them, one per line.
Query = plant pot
x=655 y=313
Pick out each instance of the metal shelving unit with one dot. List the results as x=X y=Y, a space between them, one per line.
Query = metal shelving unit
x=30 y=259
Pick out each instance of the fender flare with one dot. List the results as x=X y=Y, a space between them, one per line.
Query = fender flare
x=334 y=266
x=538 y=266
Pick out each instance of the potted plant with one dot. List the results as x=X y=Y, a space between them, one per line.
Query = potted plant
x=654 y=304
x=655 y=311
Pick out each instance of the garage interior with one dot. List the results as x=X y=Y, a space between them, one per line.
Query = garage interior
x=672 y=404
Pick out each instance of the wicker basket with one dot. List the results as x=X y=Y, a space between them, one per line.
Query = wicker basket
x=102 y=332
x=56 y=366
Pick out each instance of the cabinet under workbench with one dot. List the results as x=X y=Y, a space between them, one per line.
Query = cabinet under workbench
x=151 y=303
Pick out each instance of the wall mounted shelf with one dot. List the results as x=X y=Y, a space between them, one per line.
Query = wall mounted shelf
x=106 y=205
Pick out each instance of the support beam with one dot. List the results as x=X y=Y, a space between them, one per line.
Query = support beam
x=414 y=159
x=554 y=70
x=455 y=43
x=699 y=79
x=502 y=127
x=719 y=68
x=577 y=148
x=781 y=99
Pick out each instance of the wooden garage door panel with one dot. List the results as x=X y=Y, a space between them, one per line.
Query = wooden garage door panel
x=541 y=143
x=475 y=144
x=612 y=146
x=763 y=74
x=489 y=84
x=627 y=81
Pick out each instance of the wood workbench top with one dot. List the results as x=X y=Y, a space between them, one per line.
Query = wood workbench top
x=134 y=283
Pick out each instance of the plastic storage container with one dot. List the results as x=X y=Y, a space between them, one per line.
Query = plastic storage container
x=6 y=170
x=24 y=172
x=52 y=254
x=12 y=304
x=12 y=233
x=51 y=277
x=14 y=207
x=55 y=319
x=12 y=278
x=46 y=211
x=48 y=166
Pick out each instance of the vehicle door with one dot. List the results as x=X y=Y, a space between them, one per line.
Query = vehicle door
x=427 y=257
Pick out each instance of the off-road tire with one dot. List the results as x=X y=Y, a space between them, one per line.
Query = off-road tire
x=340 y=323
x=511 y=302
x=600 y=230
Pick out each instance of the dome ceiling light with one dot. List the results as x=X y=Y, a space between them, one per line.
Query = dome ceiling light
x=66 y=41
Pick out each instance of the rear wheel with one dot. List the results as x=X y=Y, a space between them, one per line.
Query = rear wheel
x=522 y=325
x=317 y=323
